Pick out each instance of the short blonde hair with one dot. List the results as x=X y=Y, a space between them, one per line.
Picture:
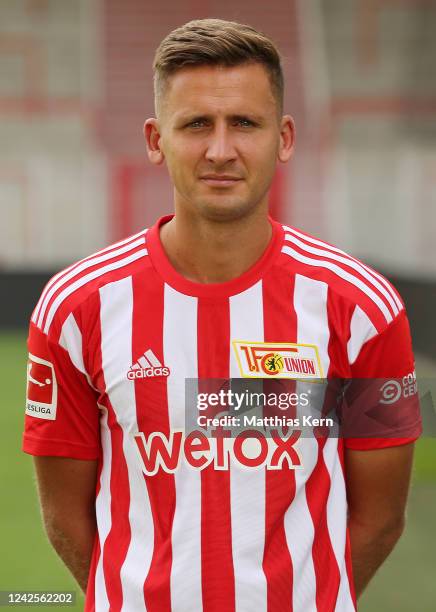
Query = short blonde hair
x=215 y=42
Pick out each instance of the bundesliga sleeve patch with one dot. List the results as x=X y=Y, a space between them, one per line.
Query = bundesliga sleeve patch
x=42 y=389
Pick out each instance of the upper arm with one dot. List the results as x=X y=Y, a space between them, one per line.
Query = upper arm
x=62 y=416
x=66 y=486
x=377 y=484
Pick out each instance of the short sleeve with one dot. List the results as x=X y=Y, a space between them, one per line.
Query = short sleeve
x=384 y=400
x=62 y=416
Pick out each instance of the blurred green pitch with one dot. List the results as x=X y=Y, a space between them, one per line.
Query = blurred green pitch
x=406 y=582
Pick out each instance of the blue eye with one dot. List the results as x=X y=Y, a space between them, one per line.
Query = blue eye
x=197 y=123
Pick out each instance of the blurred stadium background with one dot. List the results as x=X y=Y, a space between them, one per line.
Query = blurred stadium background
x=75 y=88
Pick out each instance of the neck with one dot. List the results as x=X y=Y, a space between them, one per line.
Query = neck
x=206 y=251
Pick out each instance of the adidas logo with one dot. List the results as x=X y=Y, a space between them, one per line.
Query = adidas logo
x=147 y=366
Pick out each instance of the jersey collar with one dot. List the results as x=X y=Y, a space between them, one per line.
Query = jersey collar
x=249 y=278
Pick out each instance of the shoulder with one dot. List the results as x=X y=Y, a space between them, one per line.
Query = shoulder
x=74 y=285
x=371 y=299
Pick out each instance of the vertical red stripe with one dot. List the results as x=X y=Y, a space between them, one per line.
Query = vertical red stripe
x=324 y=560
x=317 y=492
x=348 y=560
x=118 y=539
x=279 y=326
x=117 y=542
x=91 y=339
x=218 y=583
x=339 y=313
x=339 y=316
x=152 y=416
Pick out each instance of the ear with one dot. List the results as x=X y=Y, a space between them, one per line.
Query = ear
x=152 y=139
x=287 y=139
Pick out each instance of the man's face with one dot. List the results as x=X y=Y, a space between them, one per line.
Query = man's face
x=221 y=136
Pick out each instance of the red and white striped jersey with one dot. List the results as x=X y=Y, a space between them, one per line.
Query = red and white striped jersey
x=112 y=340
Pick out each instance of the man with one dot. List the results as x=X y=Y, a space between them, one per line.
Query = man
x=145 y=516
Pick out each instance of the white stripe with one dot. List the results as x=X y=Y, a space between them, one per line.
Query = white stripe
x=152 y=358
x=116 y=344
x=103 y=513
x=73 y=266
x=180 y=356
x=143 y=362
x=88 y=263
x=310 y=304
x=300 y=532
x=337 y=521
x=247 y=487
x=85 y=279
x=329 y=247
x=348 y=262
x=342 y=274
x=71 y=341
x=361 y=330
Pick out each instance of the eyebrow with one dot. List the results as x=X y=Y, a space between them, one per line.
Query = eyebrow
x=205 y=117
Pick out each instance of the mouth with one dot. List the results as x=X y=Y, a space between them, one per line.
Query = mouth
x=220 y=180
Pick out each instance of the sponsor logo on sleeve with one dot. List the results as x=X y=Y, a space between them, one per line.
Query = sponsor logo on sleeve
x=395 y=389
x=42 y=389
x=277 y=360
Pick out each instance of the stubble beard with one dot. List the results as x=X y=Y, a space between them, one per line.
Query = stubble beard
x=227 y=208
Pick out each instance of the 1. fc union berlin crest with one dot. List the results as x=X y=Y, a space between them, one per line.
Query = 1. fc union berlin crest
x=277 y=360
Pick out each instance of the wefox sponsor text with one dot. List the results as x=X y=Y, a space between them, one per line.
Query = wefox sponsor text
x=250 y=449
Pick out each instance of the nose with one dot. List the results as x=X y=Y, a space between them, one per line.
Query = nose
x=220 y=147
